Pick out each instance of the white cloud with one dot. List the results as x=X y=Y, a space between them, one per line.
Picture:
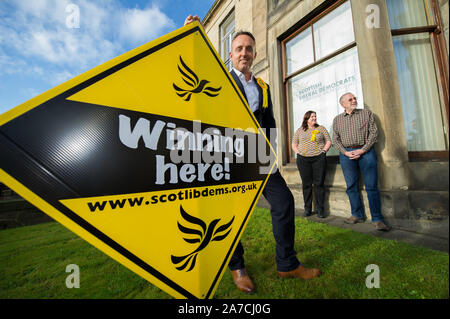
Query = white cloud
x=10 y=65
x=60 y=77
x=140 y=26
x=37 y=29
x=38 y=8
x=34 y=33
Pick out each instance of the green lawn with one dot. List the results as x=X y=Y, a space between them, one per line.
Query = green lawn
x=33 y=260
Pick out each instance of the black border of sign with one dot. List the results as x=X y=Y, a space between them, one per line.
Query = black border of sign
x=93 y=230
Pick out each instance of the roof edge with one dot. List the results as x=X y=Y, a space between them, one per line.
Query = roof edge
x=210 y=11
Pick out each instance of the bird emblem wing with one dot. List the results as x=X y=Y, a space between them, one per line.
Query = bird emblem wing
x=194 y=84
x=202 y=234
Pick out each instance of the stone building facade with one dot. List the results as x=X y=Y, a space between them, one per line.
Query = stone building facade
x=393 y=54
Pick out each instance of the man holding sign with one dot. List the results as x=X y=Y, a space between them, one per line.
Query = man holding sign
x=257 y=94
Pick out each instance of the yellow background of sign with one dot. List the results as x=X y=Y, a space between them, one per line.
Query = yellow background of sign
x=147 y=86
x=80 y=231
x=151 y=232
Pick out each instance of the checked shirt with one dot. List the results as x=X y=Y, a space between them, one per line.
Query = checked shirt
x=355 y=129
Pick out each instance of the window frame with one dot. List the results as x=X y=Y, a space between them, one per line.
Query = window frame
x=441 y=68
x=286 y=77
x=229 y=19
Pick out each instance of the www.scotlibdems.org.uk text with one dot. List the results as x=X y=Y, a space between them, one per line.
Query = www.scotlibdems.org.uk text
x=171 y=197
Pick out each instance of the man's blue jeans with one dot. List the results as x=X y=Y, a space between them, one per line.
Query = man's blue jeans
x=368 y=165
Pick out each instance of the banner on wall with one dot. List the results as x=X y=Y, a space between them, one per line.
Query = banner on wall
x=150 y=157
x=320 y=88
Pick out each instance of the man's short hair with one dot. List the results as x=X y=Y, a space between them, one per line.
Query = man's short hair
x=342 y=96
x=243 y=33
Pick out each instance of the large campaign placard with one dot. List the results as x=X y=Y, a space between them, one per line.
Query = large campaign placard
x=151 y=157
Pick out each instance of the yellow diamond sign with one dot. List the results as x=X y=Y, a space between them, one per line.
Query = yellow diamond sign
x=150 y=157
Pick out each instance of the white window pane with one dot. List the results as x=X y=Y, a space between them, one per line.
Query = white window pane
x=226 y=36
x=333 y=31
x=422 y=112
x=407 y=13
x=230 y=28
x=299 y=51
x=320 y=88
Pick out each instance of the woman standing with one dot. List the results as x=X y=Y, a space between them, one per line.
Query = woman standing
x=311 y=142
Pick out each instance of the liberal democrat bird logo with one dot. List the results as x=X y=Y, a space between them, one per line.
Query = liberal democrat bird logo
x=204 y=236
x=191 y=79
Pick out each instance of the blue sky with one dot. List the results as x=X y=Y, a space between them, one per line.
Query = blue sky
x=40 y=46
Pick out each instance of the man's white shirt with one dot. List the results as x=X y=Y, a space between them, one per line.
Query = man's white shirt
x=251 y=90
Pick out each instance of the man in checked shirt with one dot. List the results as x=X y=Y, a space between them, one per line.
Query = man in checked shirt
x=354 y=134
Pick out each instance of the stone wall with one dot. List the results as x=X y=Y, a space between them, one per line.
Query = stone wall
x=16 y=212
x=422 y=208
x=414 y=195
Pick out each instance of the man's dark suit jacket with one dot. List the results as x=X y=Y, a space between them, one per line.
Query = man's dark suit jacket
x=264 y=116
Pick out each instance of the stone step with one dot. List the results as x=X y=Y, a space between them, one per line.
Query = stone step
x=422 y=212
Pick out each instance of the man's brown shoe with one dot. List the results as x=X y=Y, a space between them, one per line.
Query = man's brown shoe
x=243 y=281
x=382 y=226
x=300 y=272
x=353 y=220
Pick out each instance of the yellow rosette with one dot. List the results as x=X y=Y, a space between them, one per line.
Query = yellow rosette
x=313 y=135
x=264 y=87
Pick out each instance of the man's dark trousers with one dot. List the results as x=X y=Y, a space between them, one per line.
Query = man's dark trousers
x=282 y=210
